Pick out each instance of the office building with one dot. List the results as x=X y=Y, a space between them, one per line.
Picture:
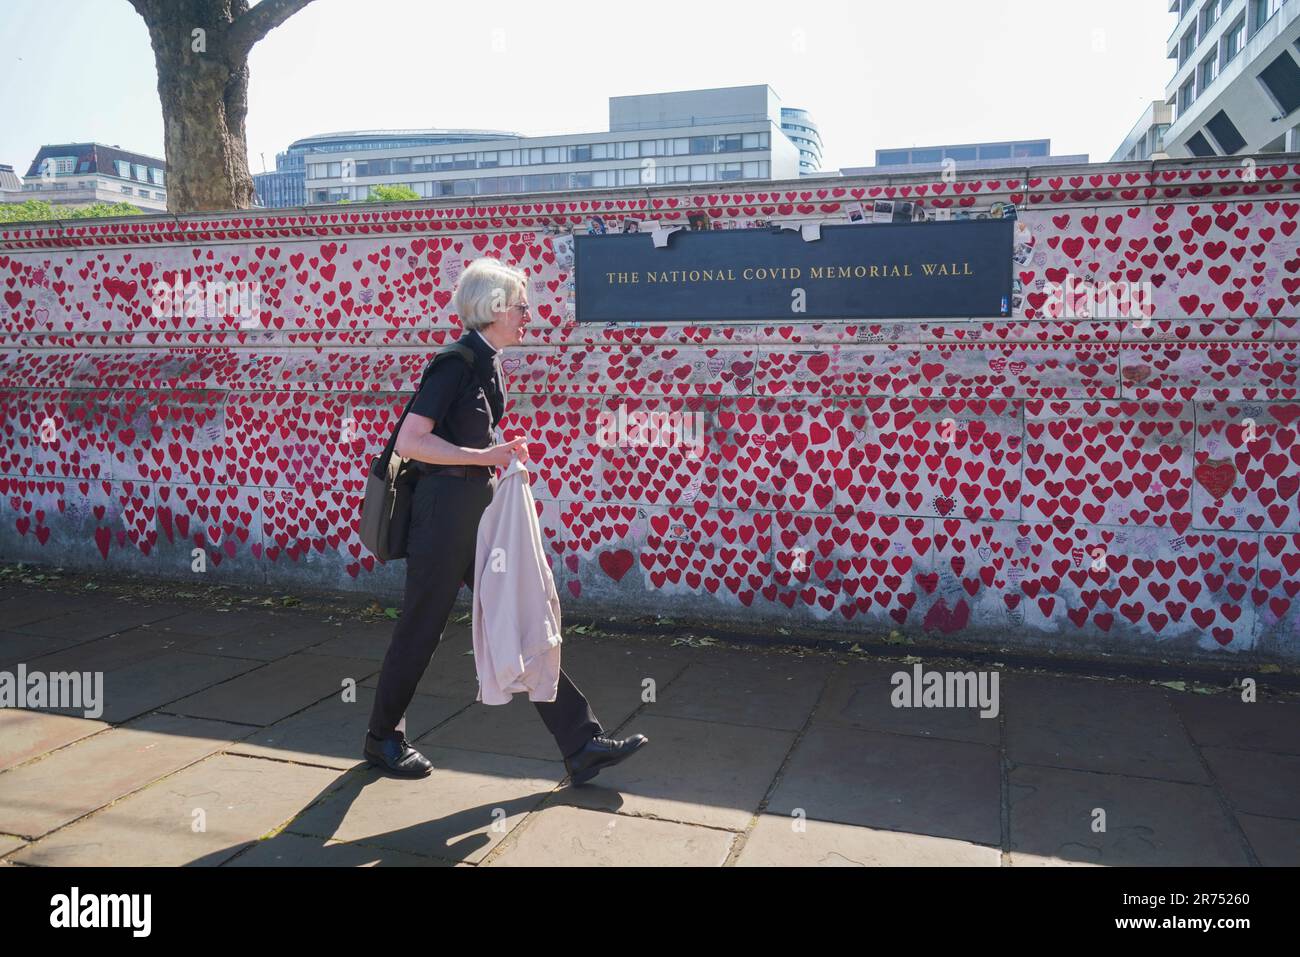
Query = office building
x=1236 y=83
x=10 y=182
x=1146 y=141
x=80 y=174
x=287 y=184
x=694 y=136
x=803 y=132
x=964 y=156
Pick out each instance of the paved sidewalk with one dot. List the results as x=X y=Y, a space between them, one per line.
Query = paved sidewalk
x=226 y=740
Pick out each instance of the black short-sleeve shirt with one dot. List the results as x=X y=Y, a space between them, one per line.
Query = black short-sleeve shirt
x=464 y=402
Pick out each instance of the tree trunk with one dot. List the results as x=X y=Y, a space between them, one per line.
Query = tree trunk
x=201 y=50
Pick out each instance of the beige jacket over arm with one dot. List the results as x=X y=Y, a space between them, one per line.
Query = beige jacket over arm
x=516 y=607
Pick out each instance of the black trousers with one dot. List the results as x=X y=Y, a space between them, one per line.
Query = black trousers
x=445 y=512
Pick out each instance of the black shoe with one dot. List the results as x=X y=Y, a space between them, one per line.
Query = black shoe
x=600 y=753
x=397 y=756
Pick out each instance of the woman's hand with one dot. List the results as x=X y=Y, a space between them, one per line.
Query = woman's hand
x=499 y=455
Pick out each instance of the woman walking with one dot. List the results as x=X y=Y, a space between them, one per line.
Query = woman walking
x=449 y=430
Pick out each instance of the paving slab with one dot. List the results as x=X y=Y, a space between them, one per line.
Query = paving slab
x=274 y=691
x=33 y=604
x=894 y=782
x=763 y=692
x=332 y=732
x=27 y=734
x=612 y=674
x=860 y=695
x=609 y=677
x=566 y=836
x=357 y=640
x=268 y=641
x=460 y=812
x=208 y=622
x=16 y=647
x=242 y=799
x=691 y=771
x=296 y=850
x=112 y=652
x=450 y=673
x=776 y=842
x=1258 y=782
x=1227 y=721
x=143 y=686
x=43 y=795
x=515 y=728
x=10 y=842
x=99 y=620
x=1276 y=842
x=1092 y=726
x=1148 y=823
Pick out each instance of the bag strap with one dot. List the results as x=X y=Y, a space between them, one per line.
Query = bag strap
x=456 y=348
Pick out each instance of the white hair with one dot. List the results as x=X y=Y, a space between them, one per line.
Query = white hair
x=487 y=285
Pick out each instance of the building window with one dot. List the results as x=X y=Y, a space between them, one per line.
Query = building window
x=1187 y=45
x=1198 y=145
x=1021 y=150
x=1158 y=137
x=1209 y=69
x=123 y=168
x=1186 y=94
x=1208 y=16
x=141 y=172
x=1281 y=79
x=1234 y=39
x=1226 y=133
x=1261 y=11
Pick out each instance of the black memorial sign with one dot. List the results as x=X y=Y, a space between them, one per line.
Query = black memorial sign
x=889 y=271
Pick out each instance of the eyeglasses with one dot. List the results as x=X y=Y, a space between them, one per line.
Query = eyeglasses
x=526 y=309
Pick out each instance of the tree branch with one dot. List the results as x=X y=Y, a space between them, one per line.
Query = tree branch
x=257 y=22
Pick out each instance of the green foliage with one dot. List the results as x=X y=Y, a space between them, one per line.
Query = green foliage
x=37 y=210
x=392 y=194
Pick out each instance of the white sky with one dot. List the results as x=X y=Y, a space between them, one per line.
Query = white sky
x=873 y=74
